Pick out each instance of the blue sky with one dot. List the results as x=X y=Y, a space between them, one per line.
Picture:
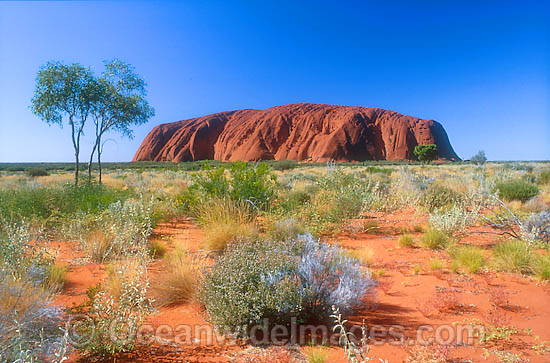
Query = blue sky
x=480 y=68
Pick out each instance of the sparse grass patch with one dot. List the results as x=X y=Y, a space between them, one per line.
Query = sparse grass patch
x=436 y=264
x=418 y=228
x=471 y=258
x=317 y=355
x=434 y=239
x=513 y=256
x=405 y=240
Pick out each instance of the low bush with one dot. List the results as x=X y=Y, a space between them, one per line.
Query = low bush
x=285 y=229
x=29 y=324
x=317 y=355
x=453 y=220
x=114 y=312
x=437 y=196
x=252 y=183
x=516 y=190
x=537 y=227
x=471 y=258
x=434 y=239
x=124 y=230
x=513 y=256
x=299 y=278
x=405 y=240
x=34 y=172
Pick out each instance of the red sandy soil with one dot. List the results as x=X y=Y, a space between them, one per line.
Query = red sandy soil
x=402 y=297
x=302 y=131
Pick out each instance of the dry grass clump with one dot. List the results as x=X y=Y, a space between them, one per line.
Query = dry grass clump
x=436 y=264
x=224 y=220
x=405 y=240
x=55 y=279
x=471 y=258
x=156 y=249
x=97 y=245
x=178 y=281
x=434 y=239
x=364 y=254
x=513 y=256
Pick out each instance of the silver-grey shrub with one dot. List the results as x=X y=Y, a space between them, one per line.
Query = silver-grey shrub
x=536 y=228
x=297 y=278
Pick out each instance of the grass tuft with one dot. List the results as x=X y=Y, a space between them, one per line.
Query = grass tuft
x=405 y=240
x=434 y=239
x=513 y=256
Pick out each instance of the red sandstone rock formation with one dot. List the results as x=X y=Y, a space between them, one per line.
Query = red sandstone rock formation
x=300 y=131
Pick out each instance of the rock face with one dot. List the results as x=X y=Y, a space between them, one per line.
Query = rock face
x=300 y=131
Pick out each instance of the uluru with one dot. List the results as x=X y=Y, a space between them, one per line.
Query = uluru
x=302 y=131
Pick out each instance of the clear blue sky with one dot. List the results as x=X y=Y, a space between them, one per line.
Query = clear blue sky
x=480 y=68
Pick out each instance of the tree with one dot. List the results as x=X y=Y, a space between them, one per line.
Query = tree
x=119 y=103
x=426 y=153
x=64 y=92
x=479 y=158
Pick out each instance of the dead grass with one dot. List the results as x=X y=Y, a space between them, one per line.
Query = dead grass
x=178 y=281
x=364 y=254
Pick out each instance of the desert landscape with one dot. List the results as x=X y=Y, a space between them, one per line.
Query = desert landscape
x=427 y=249
x=274 y=181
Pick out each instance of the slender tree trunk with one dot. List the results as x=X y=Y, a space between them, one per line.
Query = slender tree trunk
x=76 y=151
x=90 y=163
x=76 y=167
x=98 y=142
x=99 y=164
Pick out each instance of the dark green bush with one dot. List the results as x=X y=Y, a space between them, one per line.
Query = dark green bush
x=543 y=176
x=439 y=196
x=516 y=190
x=36 y=172
x=425 y=153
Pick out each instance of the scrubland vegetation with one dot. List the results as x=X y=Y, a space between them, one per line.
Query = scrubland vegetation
x=269 y=243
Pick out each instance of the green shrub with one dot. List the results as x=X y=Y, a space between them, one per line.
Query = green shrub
x=279 y=280
x=469 y=257
x=516 y=190
x=425 y=153
x=513 y=256
x=114 y=315
x=439 y=196
x=253 y=183
x=34 y=172
x=434 y=239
